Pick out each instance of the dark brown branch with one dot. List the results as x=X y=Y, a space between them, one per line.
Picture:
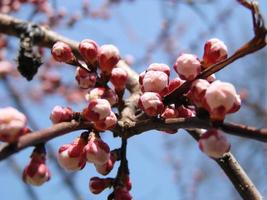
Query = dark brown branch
x=235 y=173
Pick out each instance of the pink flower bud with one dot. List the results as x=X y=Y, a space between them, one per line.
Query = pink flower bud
x=89 y=49
x=36 y=173
x=187 y=66
x=151 y=103
x=12 y=124
x=198 y=90
x=96 y=150
x=141 y=77
x=155 y=81
x=61 y=114
x=108 y=123
x=119 y=78
x=122 y=194
x=85 y=79
x=102 y=93
x=221 y=98
x=62 y=52
x=159 y=67
x=97 y=185
x=211 y=78
x=5 y=67
x=98 y=109
x=108 y=57
x=214 y=143
x=175 y=83
x=105 y=168
x=71 y=156
x=170 y=112
x=214 y=51
x=185 y=112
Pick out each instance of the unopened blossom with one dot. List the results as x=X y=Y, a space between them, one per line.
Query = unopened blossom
x=155 y=81
x=98 y=109
x=221 y=98
x=187 y=66
x=170 y=112
x=96 y=150
x=97 y=185
x=102 y=93
x=118 y=78
x=89 y=49
x=186 y=112
x=198 y=90
x=108 y=57
x=211 y=78
x=36 y=172
x=71 y=156
x=62 y=52
x=105 y=168
x=107 y=123
x=122 y=194
x=151 y=103
x=5 y=67
x=159 y=67
x=214 y=143
x=61 y=114
x=12 y=124
x=214 y=51
x=84 y=78
x=175 y=83
x=141 y=77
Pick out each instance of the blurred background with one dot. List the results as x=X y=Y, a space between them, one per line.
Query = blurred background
x=162 y=166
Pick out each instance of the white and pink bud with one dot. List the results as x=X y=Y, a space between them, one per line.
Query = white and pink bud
x=122 y=194
x=97 y=185
x=96 y=150
x=71 y=156
x=159 y=67
x=5 y=67
x=84 y=78
x=151 y=103
x=37 y=172
x=62 y=52
x=102 y=93
x=170 y=112
x=175 y=83
x=186 y=112
x=12 y=124
x=61 y=114
x=187 y=66
x=98 y=109
x=214 y=51
x=108 y=123
x=155 y=81
x=211 y=78
x=119 y=78
x=105 y=168
x=108 y=57
x=198 y=90
x=214 y=143
x=141 y=77
x=220 y=99
x=89 y=50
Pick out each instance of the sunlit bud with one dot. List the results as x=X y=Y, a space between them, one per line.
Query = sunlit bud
x=141 y=77
x=102 y=93
x=185 y=112
x=155 y=81
x=61 y=114
x=96 y=150
x=187 y=66
x=221 y=98
x=175 y=83
x=118 y=78
x=71 y=156
x=97 y=185
x=98 y=109
x=151 y=103
x=108 y=57
x=88 y=49
x=159 y=67
x=36 y=172
x=214 y=143
x=105 y=168
x=170 y=112
x=12 y=124
x=211 y=78
x=214 y=51
x=62 y=52
x=122 y=194
x=85 y=79
x=197 y=91
x=107 y=123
